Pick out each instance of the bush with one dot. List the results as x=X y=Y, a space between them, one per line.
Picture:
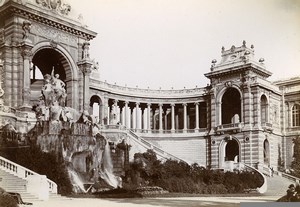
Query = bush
x=7 y=201
x=175 y=176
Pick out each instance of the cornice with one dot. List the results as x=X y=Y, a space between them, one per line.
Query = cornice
x=59 y=22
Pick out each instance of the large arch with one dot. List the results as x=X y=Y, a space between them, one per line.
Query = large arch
x=96 y=105
x=229 y=151
x=57 y=56
x=230 y=106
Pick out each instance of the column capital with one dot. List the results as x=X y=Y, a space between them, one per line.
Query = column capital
x=196 y=103
x=115 y=101
x=126 y=102
x=149 y=104
x=172 y=104
x=137 y=103
x=160 y=104
x=184 y=104
x=26 y=50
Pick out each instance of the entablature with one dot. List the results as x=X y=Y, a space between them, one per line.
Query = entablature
x=34 y=13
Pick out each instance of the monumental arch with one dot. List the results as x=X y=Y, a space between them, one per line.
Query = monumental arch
x=240 y=117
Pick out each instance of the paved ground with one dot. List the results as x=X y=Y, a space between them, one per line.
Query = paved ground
x=153 y=202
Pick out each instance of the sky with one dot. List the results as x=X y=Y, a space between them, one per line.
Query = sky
x=171 y=43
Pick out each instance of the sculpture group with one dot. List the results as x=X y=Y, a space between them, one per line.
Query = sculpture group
x=52 y=102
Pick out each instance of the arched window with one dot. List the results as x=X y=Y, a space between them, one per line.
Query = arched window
x=231 y=106
x=232 y=151
x=296 y=115
x=263 y=109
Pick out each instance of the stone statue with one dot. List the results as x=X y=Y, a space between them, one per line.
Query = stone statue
x=53 y=100
x=26 y=29
x=59 y=89
x=47 y=90
x=55 y=111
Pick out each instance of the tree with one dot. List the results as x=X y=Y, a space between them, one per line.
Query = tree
x=296 y=162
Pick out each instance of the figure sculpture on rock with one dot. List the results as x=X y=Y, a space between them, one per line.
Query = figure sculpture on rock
x=53 y=99
x=59 y=89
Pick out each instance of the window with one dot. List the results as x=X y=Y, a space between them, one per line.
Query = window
x=296 y=115
x=263 y=109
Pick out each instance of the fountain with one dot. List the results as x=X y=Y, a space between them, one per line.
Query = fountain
x=76 y=139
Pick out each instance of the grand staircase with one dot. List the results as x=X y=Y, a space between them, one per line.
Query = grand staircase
x=277 y=185
x=12 y=183
x=17 y=179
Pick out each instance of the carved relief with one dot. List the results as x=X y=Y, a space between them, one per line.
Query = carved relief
x=54 y=35
x=274 y=114
x=55 y=5
x=228 y=84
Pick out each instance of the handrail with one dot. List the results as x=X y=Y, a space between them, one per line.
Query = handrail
x=23 y=172
x=156 y=149
x=154 y=131
x=288 y=176
x=264 y=187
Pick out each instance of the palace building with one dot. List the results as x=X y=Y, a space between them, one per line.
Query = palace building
x=240 y=117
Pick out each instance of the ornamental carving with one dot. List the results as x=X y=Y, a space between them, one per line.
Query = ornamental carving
x=55 y=5
x=26 y=29
x=228 y=84
x=53 y=34
x=26 y=52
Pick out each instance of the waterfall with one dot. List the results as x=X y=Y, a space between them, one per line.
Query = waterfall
x=76 y=181
x=106 y=171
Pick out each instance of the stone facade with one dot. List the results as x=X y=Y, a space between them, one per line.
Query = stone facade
x=239 y=117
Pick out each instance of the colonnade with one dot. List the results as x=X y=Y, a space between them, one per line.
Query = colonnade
x=154 y=116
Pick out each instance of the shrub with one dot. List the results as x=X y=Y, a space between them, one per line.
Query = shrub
x=7 y=201
x=175 y=176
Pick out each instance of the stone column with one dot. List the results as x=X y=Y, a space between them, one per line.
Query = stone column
x=184 y=116
x=172 y=117
x=26 y=54
x=133 y=118
x=138 y=115
x=106 y=111
x=148 y=116
x=85 y=66
x=160 y=116
x=127 y=115
x=197 y=115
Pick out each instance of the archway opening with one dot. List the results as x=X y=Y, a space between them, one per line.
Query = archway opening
x=231 y=106
x=266 y=152
x=232 y=151
x=96 y=108
x=47 y=61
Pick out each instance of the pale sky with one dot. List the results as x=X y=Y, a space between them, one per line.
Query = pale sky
x=171 y=43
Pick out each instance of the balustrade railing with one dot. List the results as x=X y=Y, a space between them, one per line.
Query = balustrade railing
x=230 y=126
x=156 y=149
x=154 y=131
x=23 y=172
x=264 y=187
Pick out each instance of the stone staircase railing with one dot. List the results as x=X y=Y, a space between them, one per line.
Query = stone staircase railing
x=160 y=153
x=157 y=150
x=37 y=183
x=264 y=187
x=288 y=176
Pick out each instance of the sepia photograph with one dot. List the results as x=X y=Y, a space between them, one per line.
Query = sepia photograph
x=168 y=103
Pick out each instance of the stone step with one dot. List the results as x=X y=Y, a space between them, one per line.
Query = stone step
x=277 y=185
